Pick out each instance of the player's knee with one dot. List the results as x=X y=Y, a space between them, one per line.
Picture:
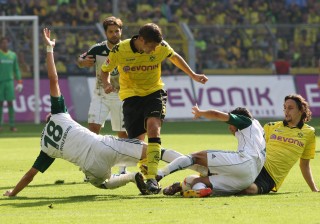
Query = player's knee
x=200 y=158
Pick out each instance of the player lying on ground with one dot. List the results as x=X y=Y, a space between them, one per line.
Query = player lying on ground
x=229 y=172
x=64 y=138
x=287 y=142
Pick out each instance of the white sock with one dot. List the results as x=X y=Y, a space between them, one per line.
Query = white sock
x=168 y=155
x=199 y=186
x=117 y=180
x=179 y=163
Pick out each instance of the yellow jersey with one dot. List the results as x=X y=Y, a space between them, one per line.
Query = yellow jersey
x=140 y=73
x=285 y=146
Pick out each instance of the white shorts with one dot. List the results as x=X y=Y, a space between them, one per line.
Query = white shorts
x=232 y=171
x=110 y=152
x=101 y=106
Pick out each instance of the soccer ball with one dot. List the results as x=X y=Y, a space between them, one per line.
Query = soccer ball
x=186 y=183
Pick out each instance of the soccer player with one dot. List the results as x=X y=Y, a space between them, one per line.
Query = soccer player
x=64 y=138
x=228 y=172
x=287 y=141
x=9 y=68
x=139 y=63
x=102 y=104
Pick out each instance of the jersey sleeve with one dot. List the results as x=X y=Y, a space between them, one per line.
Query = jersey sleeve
x=169 y=49
x=58 y=105
x=239 y=121
x=43 y=162
x=310 y=147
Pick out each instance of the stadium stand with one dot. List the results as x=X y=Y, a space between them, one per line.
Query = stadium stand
x=230 y=34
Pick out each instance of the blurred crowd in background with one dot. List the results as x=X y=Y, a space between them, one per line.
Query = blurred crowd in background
x=228 y=33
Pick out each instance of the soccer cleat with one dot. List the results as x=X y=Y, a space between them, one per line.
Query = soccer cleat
x=173 y=189
x=153 y=186
x=140 y=183
x=197 y=193
x=158 y=178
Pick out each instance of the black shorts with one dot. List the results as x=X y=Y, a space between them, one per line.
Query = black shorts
x=137 y=109
x=264 y=182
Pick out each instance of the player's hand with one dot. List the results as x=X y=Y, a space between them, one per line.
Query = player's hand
x=46 y=35
x=319 y=82
x=108 y=88
x=200 y=78
x=88 y=61
x=7 y=193
x=196 y=112
x=19 y=87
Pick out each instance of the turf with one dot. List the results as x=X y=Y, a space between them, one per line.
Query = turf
x=60 y=196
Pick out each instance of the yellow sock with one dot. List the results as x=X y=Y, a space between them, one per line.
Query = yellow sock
x=153 y=157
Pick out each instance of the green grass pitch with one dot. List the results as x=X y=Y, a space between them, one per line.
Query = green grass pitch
x=77 y=202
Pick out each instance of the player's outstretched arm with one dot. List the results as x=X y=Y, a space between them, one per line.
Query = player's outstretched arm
x=178 y=61
x=25 y=180
x=307 y=174
x=210 y=114
x=52 y=71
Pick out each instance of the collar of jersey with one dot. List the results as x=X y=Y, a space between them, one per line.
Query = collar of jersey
x=300 y=124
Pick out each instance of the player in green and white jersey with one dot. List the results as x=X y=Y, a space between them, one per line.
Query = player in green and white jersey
x=228 y=172
x=64 y=138
x=10 y=71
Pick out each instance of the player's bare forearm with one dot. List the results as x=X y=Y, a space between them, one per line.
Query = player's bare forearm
x=210 y=114
x=105 y=77
x=52 y=71
x=178 y=61
x=25 y=180
x=307 y=174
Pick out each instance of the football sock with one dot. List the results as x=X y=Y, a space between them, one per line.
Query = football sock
x=168 y=155
x=179 y=163
x=11 y=116
x=153 y=157
x=117 y=180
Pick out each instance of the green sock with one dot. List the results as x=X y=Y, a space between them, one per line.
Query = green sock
x=11 y=116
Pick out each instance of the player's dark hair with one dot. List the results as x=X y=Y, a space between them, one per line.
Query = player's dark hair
x=302 y=106
x=109 y=21
x=242 y=111
x=151 y=32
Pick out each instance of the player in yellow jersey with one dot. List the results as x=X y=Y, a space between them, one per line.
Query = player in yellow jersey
x=139 y=63
x=287 y=141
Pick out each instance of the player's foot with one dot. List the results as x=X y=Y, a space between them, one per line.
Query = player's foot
x=153 y=186
x=140 y=183
x=197 y=193
x=13 y=129
x=173 y=189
